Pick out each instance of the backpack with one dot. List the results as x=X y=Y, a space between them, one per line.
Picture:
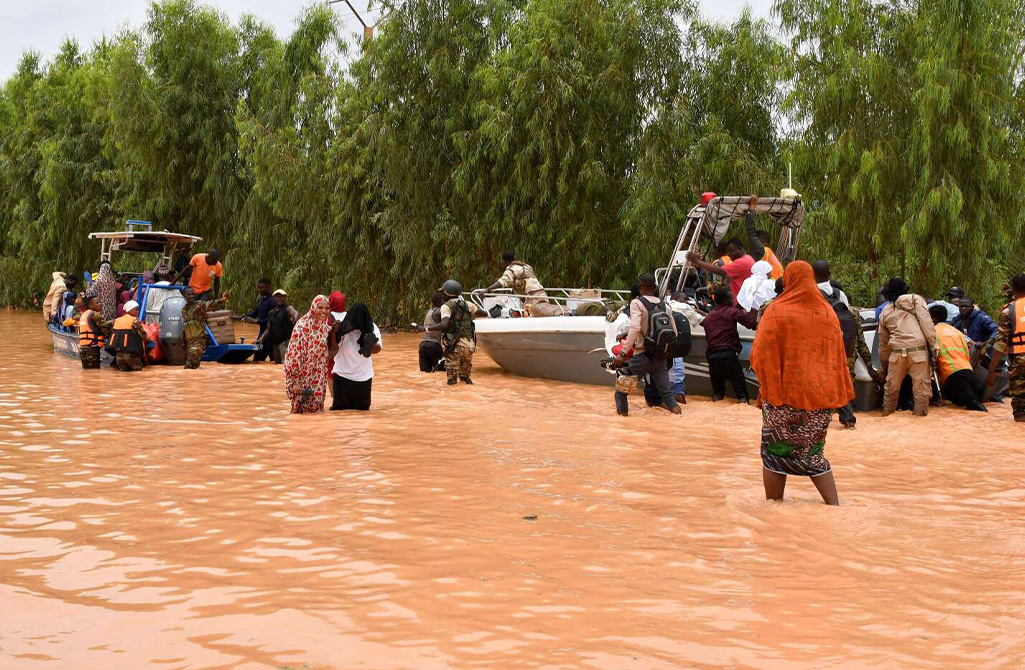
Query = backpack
x=660 y=338
x=848 y=326
x=682 y=345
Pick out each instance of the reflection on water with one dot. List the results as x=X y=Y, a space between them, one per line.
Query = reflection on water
x=182 y=519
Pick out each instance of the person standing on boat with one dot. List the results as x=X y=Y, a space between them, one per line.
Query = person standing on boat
x=259 y=314
x=204 y=272
x=91 y=334
x=801 y=363
x=456 y=323
x=53 y=295
x=521 y=279
x=194 y=317
x=129 y=339
x=639 y=348
x=739 y=268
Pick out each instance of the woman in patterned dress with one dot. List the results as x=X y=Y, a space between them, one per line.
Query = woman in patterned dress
x=799 y=357
x=305 y=381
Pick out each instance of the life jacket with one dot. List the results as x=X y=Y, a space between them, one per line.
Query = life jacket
x=460 y=324
x=1017 y=315
x=660 y=337
x=125 y=340
x=952 y=348
x=771 y=259
x=87 y=337
x=726 y=260
x=848 y=326
x=280 y=325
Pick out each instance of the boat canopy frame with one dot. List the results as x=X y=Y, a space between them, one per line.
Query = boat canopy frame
x=139 y=236
x=711 y=222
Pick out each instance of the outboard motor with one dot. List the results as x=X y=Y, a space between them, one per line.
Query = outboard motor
x=172 y=328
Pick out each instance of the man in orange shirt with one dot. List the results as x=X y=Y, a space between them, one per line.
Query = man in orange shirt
x=204 y=272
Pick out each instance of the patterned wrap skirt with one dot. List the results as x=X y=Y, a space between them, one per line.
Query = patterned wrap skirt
x=794 y=440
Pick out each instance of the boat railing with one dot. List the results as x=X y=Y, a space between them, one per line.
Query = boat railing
x=568 y=297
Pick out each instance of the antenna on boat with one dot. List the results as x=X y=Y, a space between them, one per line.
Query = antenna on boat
x=790 y=174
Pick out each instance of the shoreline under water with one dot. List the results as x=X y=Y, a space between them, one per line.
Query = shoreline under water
x=183 y=519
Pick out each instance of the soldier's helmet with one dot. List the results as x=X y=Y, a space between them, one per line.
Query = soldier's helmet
x=452 y=288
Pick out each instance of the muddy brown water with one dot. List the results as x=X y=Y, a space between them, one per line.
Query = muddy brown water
x=182 y=519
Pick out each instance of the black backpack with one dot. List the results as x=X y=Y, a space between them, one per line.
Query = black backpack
x=848 y=326
x=660 y=339
x=681 y=348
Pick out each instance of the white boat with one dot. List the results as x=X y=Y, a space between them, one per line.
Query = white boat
x=570 y=348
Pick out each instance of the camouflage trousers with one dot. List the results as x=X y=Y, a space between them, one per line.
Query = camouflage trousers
x=194 y=354
x=128 y=362
x=1016 y=385
x=90 y=357
x=459 y=363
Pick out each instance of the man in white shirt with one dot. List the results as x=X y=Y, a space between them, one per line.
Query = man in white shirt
x=357 y=339
x=823 y=277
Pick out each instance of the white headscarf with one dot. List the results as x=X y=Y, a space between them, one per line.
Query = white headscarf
x=757 y=289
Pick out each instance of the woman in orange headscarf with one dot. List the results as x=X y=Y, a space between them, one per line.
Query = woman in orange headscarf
x=799 y=357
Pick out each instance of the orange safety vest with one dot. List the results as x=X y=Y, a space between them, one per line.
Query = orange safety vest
x=1017 y=314
x=86 y=336
x=771 y=259
x=952 y=348
x=124 y=338
x=726 y=260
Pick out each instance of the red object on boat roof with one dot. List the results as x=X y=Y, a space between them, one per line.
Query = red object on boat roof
x=706 y=197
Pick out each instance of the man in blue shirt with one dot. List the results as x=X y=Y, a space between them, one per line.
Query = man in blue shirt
x=976 y=325
x=264 y=304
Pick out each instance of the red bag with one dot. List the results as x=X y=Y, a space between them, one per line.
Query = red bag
x=156 y=353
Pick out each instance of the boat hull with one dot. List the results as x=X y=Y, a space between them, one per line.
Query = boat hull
x=63 y=342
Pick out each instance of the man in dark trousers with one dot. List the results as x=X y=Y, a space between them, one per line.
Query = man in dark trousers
x=264 y=304
x=642 y=360
x=723 y=345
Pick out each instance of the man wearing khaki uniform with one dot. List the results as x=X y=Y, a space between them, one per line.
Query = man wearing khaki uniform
x=907 y=341
x=521 y=279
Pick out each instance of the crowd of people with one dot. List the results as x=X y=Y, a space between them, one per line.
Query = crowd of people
x=808 y=339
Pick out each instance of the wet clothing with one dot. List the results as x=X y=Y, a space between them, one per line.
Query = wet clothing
x=348 y=394
x=280 y=323
x=724 y=365
x=964 y=390
x=1011 y=341
x=721 y=328
x=657 y=371
x=203 y=274
x=261 y=313
x=431 y=352
x=51 y=301
x=798 y=352
x=354 y=360
x=128 y=362
x=194 y=333
x=461 y=324
x=459 y=363
x=861 y=351
x=521 y=279
x=907 y=339
x=952 y=354
x=977 y=326
x=306 y=361
x=90 y=357
x=794 y=440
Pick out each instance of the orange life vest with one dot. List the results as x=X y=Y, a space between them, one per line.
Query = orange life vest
x=86 y=336
x=726 y=260
x=124 y=339
x=1017 y=314
x=953 y=351
x=771 y=259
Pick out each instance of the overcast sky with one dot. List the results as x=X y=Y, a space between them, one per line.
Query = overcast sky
x=42 y=24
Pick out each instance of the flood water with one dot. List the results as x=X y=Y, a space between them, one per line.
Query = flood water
x=183 y=519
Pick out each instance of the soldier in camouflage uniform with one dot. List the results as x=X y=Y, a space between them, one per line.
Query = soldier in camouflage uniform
x=1011 y=342
x=93 y=332
x=194 y=318
x=521 y=279
x=129 y=339
x=457 y=324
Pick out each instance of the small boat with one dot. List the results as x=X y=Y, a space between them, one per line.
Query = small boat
x=139 y=237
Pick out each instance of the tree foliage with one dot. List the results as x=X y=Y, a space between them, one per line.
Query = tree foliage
x=577 y=133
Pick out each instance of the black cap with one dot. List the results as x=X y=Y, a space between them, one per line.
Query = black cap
x=955 y=291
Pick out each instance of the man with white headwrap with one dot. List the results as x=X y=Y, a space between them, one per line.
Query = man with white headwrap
x=757 y=289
